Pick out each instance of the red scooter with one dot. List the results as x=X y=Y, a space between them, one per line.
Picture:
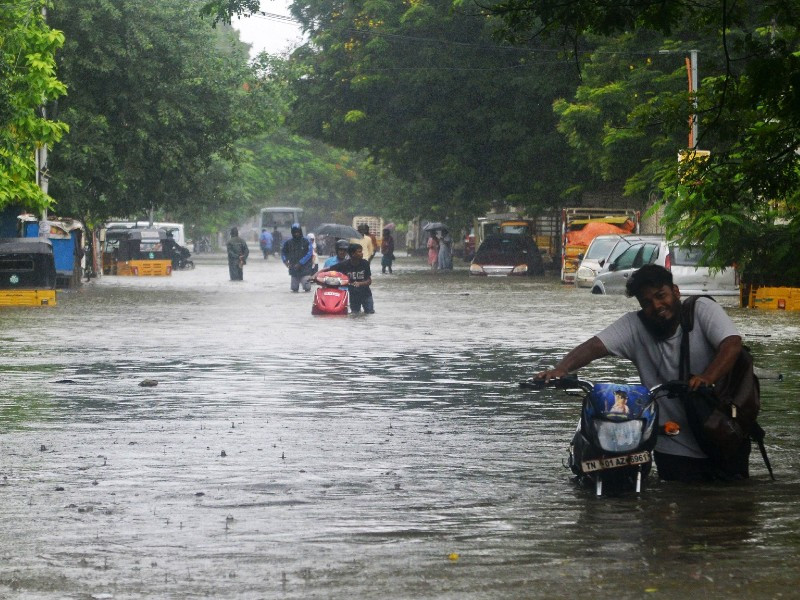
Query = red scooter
x=331 y=297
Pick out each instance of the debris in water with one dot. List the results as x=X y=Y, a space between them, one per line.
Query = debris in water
x=223 y=454
x=454 y=556
x=148 y=383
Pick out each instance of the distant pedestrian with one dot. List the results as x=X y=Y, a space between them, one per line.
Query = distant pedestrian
x=237 y=255
x=265 y=241
x=277 y=240
x=365 y=241
x=296 y=255
x=433 y=251
x=387 y=251
x=445 y=258
x=364 y=229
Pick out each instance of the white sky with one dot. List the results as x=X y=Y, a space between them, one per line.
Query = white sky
x=270 y=34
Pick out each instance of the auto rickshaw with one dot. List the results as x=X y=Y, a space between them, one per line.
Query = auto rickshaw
x=27 y=272
x=67 y=236
x=136 y=251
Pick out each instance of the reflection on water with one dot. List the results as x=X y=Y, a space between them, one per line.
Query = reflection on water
x=288 y=456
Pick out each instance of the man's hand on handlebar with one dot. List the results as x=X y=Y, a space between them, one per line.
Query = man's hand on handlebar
x=548 y=374
x=698 y=381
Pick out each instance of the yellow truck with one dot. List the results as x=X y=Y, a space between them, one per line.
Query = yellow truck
x=579 y=226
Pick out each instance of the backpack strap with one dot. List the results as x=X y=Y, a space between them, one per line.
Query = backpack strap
x=757 y=433
x=687 y=324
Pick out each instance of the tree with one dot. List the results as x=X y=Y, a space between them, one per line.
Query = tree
x=430 y=94
x=156 y=104
x=329 y=183
x=27 y=81
x=746 y=193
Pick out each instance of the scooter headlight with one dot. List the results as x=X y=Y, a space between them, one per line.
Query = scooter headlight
x=618 y=436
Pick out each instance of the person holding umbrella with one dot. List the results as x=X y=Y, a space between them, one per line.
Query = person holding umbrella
x=445 y=257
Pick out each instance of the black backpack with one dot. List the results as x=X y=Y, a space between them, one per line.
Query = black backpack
x=723 y=418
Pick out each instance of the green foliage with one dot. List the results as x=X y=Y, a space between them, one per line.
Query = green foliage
x=158 y=101
x=27 y=81
x=743 y=202
x=224 y=10
x=329 y=183
x=431 y=95
x=610 y=122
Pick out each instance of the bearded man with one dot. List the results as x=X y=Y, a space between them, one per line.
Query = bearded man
x=651 y=339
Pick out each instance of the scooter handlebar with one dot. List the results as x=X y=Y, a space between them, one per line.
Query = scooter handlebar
x=559 y=383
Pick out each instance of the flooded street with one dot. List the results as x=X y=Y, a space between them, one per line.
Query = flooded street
x=373 y=456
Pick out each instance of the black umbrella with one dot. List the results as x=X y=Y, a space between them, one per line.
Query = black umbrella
x=339 y=231
x=434 y=226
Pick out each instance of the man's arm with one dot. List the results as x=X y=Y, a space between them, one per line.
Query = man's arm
x=576 y=358
x=723 y=361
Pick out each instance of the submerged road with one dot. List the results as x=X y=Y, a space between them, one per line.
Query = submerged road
x=282 y=455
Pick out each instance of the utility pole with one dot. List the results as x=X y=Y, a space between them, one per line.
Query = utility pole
x=691 y=71
x=42 y=179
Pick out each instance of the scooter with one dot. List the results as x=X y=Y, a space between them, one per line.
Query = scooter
x=181 y=260
x=617 y=431
x=331 y=297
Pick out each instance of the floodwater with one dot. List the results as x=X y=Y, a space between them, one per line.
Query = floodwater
x=392 y=455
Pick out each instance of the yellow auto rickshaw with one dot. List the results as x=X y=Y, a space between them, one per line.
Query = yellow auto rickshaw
x=27 y=272
x=136 y=251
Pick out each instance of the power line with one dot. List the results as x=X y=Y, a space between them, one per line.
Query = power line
x=479 y=46
x=275 y=17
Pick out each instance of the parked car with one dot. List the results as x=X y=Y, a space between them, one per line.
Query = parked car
x=688 y=271
x=594 y=258
x=507 y=254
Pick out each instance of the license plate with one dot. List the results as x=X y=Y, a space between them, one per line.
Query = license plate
x=613 y=462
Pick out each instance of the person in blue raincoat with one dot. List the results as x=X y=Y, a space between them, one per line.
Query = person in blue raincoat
x=296 y=254
x=265 y=241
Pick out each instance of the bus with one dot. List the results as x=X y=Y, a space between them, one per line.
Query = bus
x=281 y=217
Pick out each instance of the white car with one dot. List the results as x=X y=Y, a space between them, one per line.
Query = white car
x=688 y=274
x=594 y=258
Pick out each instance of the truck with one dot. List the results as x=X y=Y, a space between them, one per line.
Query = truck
x=544 y=229
x=375 y=225
x=580 y=225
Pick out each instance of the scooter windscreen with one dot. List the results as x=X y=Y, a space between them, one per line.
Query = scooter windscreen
x=622 y=417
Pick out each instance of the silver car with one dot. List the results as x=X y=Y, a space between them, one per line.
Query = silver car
x=594 y=258
x=688 y=273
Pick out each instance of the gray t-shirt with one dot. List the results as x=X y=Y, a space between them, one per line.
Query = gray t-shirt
x=658 y=362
